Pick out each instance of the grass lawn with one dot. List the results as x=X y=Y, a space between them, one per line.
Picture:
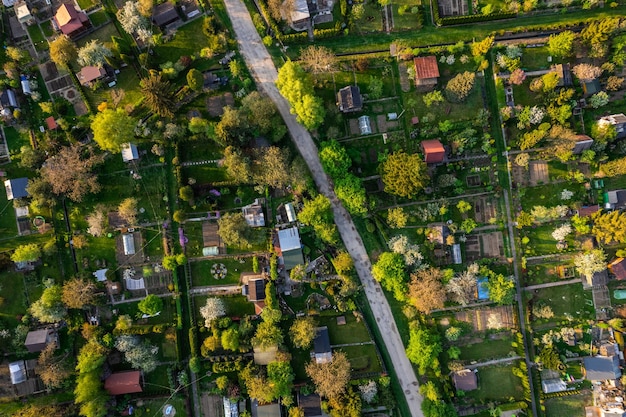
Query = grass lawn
x=127 y=84
x=544 y=272
x=362 y=358
x=497 y=383
x=487 y=350
x=41 y=44
x=103 y=35
x=166 y=316
x=351 y=332
x=372 y=20
x=537 y=59
x=406 y=20
x=236 y=306
x=86 y=4
x=549 y=195
x=97 y=18
x=542 y=242
x=46 y=27
x=201 y=271
x=571 y=406
x=188 y=40
x=155 y=406
x=204 y=174
x=565 y=300
x=8 y=225
x=12 y=291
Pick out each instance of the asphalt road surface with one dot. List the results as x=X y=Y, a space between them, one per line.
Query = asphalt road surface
x=265 y=74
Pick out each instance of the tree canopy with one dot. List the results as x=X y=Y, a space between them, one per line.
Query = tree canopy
x=29 y=252
x=158 y=95
x=426 y=290
x=404 y=174
x=49 y=308
x=330 y=378
x=62 y=50
x=111 y=128
x=234 y=230
x=334 y=158
x=303 y=332
x=389 y=270
x=151 y=305
x=317 y=213
x=78 y=293
x=296 y=86
x=424 y=348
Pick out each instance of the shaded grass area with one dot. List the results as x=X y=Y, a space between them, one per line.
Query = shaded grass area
x=11 y=408
x=12 y=291
x=98 y=18
x=565 y=300
x=571 y=406
x=236 y=306
x=167 y=315
x=187 y=41
x=363 y=358
x=201 y=271
x=351 y=332
x=497 y=383
x=486 y=350
x=549 y=195
x=127 y=84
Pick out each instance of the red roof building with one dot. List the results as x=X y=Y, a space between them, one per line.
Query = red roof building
x=121 y=383
x=426 y=71
x=51 y=123
x=89 y=74
x=434 y=152
x=587 y=210
x=618 y=268
x=70 y=21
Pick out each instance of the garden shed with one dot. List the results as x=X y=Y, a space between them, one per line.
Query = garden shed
x=426 y=71
x=465 y=380
x=129 y=244
x=311 y=404
x=164 y=14
x=365 y=125
x=16 y=188
x=37 y=340
x=129 y=152
x=321 y=346
x=618 y=268
x=121 y=383
x=548 y=386
x=349 y=99
x=434 y=152
x=289 y=248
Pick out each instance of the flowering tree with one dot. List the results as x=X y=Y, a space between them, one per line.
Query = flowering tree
x=213 y=309
x=566 y=194
x=368 y=391
x=600 y=99
x=517 y=77
x=400 y=244
x=560 y=233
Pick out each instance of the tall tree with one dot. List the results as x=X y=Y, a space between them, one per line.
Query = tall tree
x=52 y=370
x=561 y=44
x=609 y=227
x=237 y=165
x=426 y=291
x=501 y=289
x=94 y=53
x=71 y=171
x=128 y=210
x=78 y=293
x=318 y=214
x=63 y=51
x=29 y=252
x=261 y=112
x=295 y=85
x=334 y=159
x=351 y=192
x=330 y=378
x=49 y=308
x=267 y=335
x=158 y=95
x=481 y=48
x=234 y=230
x=272 y=167
x=213 y=308
x=151 y=305
x=303 y=332
x=586 y=72
x=318 y=59
x=590 y=262
x=195 y=80
x=460 y=86
x=111 y=128
x=404 y=174
x=424 y=348
x=390 y=272
x=233 y=128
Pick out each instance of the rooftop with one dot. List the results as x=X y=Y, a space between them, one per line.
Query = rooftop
x=321 y=346
x=465 y=380
x=426 y=67
x=121 y=383
x=602 y=368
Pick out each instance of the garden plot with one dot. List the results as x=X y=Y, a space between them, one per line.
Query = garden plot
x=497 y=383
x=568 y=303
x=538 y=173
x=488 y=318
x=485 y=209
x=492 y=244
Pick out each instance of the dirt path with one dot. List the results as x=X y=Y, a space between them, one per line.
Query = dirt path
x=265 y=74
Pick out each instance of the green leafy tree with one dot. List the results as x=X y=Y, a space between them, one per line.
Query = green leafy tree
x=608 y=227
x=267 y=335
x=303 y=331
x=238 y=166
x=434 y=97
x=397 y=218
x=230 y=339
x=501 y=289
x=524 y=219
x=404 y=174
x=186 y=193
x=151 y=305
x=603 y=132
x=463 y=206
x=63 y=51
x=389 y=270
x=561 y=44
x=233 y=127
x=234 y=230
x=468 y=225
x=424 y=348
x=111 y=128
x=481 y=48
x=295 y=85
x=195 y=80
x=550 y=81
x=26 y=253
x=280 y=377
x=351 y=192
x=551 y=359
x=334 y=159
x=318 y=214
x=581 y=224
x=460 y=87
x=158 y=95
x=49 y=308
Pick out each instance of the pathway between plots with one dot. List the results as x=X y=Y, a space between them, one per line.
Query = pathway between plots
x=265 y=74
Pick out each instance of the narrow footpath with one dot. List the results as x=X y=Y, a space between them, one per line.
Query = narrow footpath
x=264 y=72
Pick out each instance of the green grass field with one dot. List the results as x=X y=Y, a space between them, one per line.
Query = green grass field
x=189 y=40
x=201 y=271
x=14 y=300
x=236 y=306
x=571 y=406
x=487 y=350
x=351 y=332
x=565 y=300
x=497 y=383
x=362 y=358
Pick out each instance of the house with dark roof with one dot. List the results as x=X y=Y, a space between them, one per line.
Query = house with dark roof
x=164 y=14
x=465 y=379
x=617 y=267
x=321 y=346
x=253 y=287
x=121 y=383
x=8 y=101
x=90 y=74
x=426 y=72
x=311 y=405
x=71 y=22
x=267 y=410
x=16 y=188
x=591 y=87
x=253 y=214
x=434 y=152
x=583 y=143
x=349 y=99
x=602 y=368
x=616 y=120
x=615 y=199
x=565 y=74
x=586 y=211
x=288 y=247
x=37 y=340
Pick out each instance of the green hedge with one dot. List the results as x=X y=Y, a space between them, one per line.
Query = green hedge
x=225 y=367
x=472 y=18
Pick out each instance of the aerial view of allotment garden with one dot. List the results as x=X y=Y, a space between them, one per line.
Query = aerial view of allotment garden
x=313 y=208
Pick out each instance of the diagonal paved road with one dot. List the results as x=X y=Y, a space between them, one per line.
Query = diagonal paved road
x=265 y=74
